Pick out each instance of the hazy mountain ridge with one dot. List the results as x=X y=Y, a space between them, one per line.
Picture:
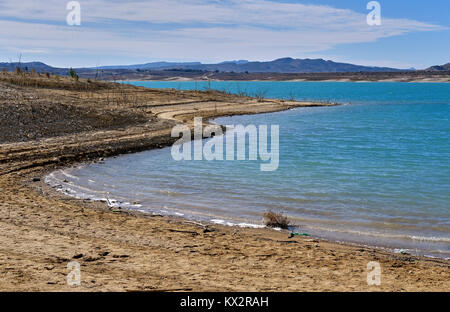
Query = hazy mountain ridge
x=285 y=69
x=153 y=65
x=282 y=65
x=37 y=66
x=439 y=67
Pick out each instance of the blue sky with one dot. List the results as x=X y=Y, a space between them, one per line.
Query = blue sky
x=413 y=33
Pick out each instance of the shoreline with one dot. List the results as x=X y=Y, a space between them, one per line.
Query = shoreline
x=62 y=193
x=67 y=189
x=127 y=251
x=181 y=79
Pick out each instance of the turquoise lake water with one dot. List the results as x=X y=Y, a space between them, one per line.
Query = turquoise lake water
x=374 y=171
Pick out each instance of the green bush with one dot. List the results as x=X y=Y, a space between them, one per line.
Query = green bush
x=73 y=74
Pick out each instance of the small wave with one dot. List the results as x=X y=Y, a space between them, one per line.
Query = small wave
x=431 y=239
x=63 y=172
x=170 y=193
x=384 y=235
x=442 y=253
x=242 y=224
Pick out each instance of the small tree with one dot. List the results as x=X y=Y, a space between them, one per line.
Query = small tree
x=73 y=74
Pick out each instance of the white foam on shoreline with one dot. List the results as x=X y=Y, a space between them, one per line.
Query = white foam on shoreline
x=80 y=192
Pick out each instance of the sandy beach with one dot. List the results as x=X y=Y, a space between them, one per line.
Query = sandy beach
x=51 y=123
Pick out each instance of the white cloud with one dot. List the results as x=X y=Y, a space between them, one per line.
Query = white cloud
x=195 y=29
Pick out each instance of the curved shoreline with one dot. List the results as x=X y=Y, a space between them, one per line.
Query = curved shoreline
x=71 y=189
x=43 y=231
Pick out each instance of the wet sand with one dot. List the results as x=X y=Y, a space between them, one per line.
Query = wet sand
x=50 y=123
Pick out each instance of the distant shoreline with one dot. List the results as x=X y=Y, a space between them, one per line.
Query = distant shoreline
x=174 y=74
x=169 y=75
x=182 y=79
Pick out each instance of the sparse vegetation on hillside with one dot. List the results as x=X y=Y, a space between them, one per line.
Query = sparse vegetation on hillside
x=23 y=79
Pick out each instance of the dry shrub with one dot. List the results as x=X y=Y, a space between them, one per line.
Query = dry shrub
x=273 y=220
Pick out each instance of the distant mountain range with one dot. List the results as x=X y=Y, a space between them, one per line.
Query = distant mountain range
x=37 y=66
x=155 y=65
x=282 y=65
x=439 y=67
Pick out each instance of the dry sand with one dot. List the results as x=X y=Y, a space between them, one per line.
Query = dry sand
x=41 y=231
